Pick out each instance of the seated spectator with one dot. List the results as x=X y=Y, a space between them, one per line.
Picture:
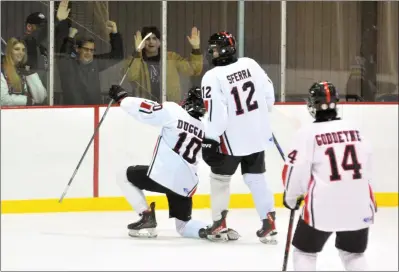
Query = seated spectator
x=80 y=69
x=19 y=87
x=145 y=73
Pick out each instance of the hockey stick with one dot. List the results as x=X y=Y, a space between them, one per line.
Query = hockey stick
x=101 y=121
x=280 y=150
x=292 y=217
x=288 y=242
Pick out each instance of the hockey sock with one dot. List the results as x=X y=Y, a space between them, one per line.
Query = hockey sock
x=353 y=261
x=304 y=261
x=189 y=229
x=261 y=193
x=220 y=195
x=134 y=195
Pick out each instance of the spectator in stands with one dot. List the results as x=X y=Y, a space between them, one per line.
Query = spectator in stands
x=79 y=67
x=35 y=40
x=36 y=37
x=145 y=73
x=19 y=86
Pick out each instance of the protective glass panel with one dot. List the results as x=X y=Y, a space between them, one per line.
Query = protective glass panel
x=94 y=44
x=351 y=44
x=190 y=24
x=24 y=47
x=263 y=37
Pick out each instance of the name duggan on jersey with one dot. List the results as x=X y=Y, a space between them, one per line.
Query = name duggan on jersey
x=190 y=128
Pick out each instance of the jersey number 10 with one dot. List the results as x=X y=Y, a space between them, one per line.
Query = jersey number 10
x=194 y=144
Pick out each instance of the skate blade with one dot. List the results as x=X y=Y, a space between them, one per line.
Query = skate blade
x=143 y=233
x=233 y=235
x=224 y=236
x=269 y=239
x=220 y=237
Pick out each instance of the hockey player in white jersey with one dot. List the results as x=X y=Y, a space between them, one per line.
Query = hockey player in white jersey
x=173 y=169
x=329 y=164
x=238 y=96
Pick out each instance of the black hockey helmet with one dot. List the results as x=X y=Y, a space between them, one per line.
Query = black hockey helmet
x=224 y=44
x=194 y=104
x=322 y=101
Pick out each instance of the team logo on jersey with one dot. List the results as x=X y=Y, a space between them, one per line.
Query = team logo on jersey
x=368 y=219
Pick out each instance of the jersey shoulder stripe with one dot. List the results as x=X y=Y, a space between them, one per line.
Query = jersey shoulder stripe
x=145 y=107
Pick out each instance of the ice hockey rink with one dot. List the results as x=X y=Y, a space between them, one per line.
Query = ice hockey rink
x=99 y=241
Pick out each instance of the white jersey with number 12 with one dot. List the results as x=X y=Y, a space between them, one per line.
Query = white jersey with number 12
x=238 y=97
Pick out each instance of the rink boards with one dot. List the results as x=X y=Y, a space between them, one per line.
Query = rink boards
x=41 y=147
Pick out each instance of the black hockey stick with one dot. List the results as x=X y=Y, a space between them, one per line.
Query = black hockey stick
x=99 y=124
x=280 y=150
x=288 y=242
x=292 y=217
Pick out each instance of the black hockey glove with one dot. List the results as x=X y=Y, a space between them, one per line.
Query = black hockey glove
x=210 y=153
x=297 y=205
x=117 y=93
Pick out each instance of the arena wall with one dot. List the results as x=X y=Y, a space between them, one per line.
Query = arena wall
x=41 y=146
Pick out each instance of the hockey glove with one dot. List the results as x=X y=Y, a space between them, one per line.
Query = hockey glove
x=210 y=153
x=297 y=204
x=117 y=93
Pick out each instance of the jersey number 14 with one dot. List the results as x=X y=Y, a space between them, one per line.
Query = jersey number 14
x=349 y=162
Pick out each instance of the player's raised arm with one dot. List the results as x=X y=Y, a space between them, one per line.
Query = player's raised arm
x=297 y=169
x=144 y=110
x=216 y=106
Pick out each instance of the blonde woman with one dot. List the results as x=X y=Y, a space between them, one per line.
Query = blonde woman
x=17 y=86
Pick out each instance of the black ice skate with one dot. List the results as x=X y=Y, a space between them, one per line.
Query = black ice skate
x=268 y=234
x=219 y=231
x=146 y=226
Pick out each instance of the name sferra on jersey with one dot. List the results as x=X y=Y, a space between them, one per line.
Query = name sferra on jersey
x=338 y=137
x=186 y=126
x=237 y=76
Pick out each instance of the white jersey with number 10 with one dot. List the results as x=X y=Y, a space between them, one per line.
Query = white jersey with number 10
x=178 y=149
x=238 y=98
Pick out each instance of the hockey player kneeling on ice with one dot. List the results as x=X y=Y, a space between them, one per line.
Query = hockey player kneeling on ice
x=329 y=163
x=173 y=168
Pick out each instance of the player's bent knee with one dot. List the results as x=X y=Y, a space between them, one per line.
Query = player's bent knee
x=121 y=177
x=220 y=178
x=190 y=228
x=353 y=261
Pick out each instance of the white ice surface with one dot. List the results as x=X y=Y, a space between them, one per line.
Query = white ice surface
x=99 y=241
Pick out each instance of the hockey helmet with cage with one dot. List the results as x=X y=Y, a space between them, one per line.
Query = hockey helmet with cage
x=222 y=48
x=322 y=101
x=194 y=104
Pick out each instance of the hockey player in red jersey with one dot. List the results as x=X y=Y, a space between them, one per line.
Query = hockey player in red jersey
x=329 y=164
x=173 y=168
x=239 y=97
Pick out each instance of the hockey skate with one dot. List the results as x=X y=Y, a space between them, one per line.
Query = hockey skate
x=218 y=232
x=146 y=226
x=267 y=234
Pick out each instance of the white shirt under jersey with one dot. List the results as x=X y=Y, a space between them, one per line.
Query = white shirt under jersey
x=178 y=148
x=238 y=97
x=330 y=163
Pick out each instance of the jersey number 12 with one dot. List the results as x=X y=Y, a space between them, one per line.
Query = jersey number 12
x=251 y=105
